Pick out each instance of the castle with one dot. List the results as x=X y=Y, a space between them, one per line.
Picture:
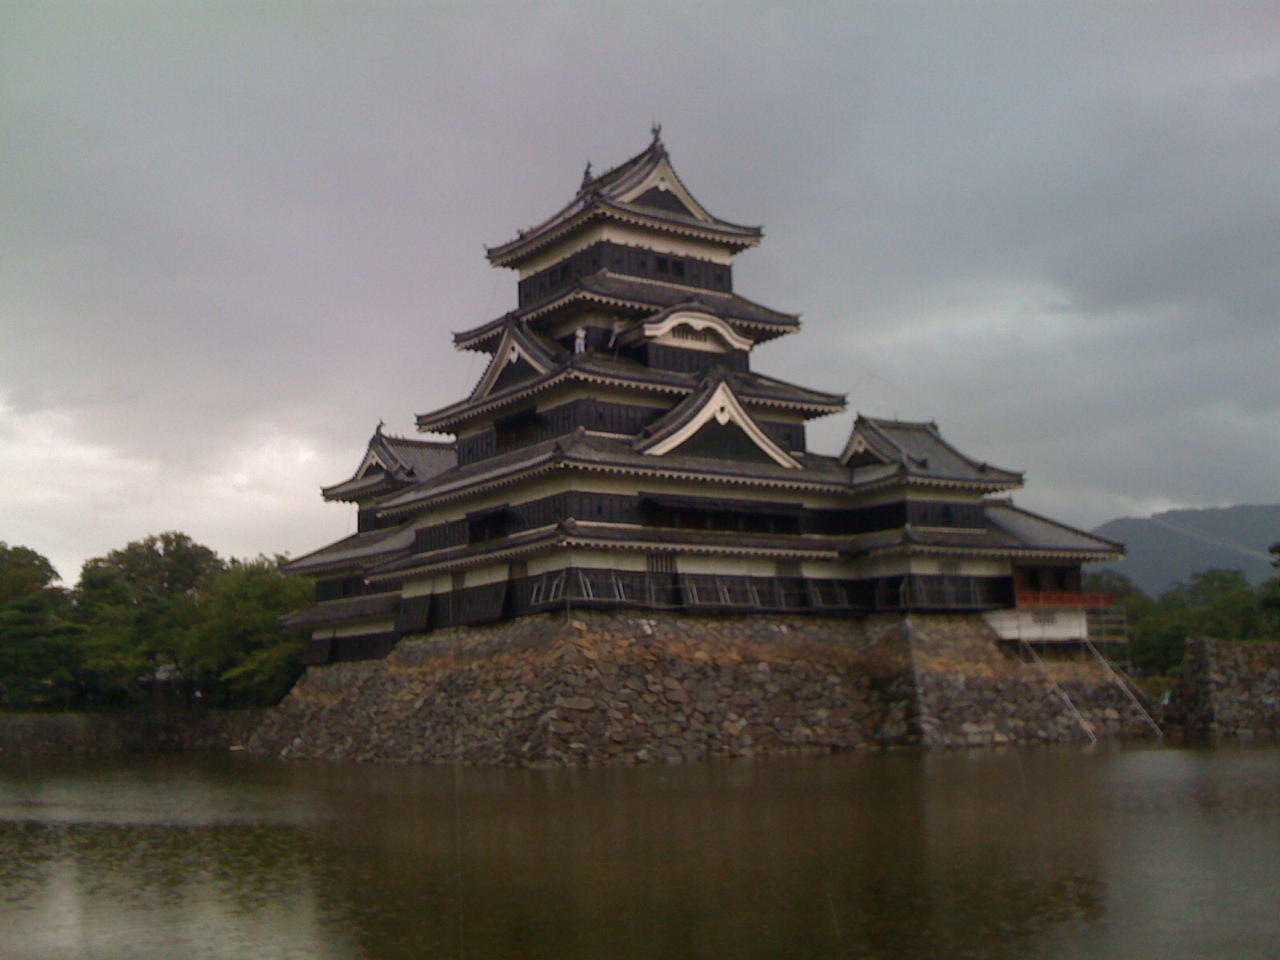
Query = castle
x=627 y=551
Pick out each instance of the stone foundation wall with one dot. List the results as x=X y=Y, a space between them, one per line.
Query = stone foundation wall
x=622 y=688
x=972 y=692
x=1229 y=687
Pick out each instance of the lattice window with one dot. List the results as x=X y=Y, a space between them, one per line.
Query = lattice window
x=661 y=563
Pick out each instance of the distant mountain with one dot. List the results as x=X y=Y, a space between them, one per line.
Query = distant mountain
x=1169 y=547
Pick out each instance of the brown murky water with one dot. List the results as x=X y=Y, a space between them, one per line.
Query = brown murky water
x=1056 y=853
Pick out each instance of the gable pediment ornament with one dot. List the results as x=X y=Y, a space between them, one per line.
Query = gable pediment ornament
x=859 y=451
x=724 y=408
x=662 y=179
x=699 y=321
x=510 y=351
x=371 y=463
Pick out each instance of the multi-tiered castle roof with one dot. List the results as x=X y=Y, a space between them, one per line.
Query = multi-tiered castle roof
x=620 y=449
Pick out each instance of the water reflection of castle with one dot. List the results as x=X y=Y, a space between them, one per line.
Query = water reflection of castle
x=620 y=451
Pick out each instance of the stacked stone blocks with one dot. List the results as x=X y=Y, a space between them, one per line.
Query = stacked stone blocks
x=593 y=687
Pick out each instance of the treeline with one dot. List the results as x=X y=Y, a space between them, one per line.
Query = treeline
x=163 y=620
x=1215 y=604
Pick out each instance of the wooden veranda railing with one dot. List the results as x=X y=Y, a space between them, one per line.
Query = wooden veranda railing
x=1042 y=598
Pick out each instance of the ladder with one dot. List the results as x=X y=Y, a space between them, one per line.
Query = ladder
x=1037 y=661
x=1123 y=683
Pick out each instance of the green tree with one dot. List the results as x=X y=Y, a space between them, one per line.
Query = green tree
x=41 y=663
x=1222 y=604
x=241 y=649
x=140 y=605
x=1218 y=604
x=22 y=573
x=1152 y=647
x=39 y=650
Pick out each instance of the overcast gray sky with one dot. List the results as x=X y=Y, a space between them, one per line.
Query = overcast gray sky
x=235 y=236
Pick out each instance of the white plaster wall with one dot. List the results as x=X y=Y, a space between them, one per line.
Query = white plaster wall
x=1040 y=625
x=969 y=567
x=730 y=566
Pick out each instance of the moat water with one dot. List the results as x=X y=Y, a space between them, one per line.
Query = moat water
x=1112 y=852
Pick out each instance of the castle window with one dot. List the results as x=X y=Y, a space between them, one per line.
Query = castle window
x=686 y=332
x=660 y=562
x=789 y=569
x=491 y=525
x=516 y=430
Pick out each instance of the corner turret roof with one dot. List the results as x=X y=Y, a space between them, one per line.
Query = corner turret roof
x=885 y=449
x=392 y=462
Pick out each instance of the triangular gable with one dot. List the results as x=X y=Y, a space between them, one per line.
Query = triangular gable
x=720 y=410
x=370 y=463
x=377 y=456
x=517 y=359
x=662 y=189
x=862 y=450
x=662 y=199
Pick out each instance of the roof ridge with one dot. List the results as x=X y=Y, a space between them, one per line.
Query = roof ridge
x=656 y=148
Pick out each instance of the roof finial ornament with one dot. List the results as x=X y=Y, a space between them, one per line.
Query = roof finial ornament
x=586 y=176
x=656 y=130
x=378 y=432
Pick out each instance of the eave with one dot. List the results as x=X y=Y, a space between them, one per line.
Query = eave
x=352 y=491
x=558 y=459
x=903 y=479
x=997 y=553
x=485 y=337
x=448 y=419
x=584 y=535
x=348 y=610
x=732 y=237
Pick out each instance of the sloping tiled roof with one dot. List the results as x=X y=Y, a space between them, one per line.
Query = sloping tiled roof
x=404 y=461
x=588 y=535
x=753 y=320
x=1037 y=532
x=343 y=611
x=616 y=454
x=583 y=451
x=716 y=388
x=679 y=415
x=767 y=390
x=540 y=351
x=601 y=197
x=919 y=451
x=597 y=368
x=353 y=552
x=420 y=459
x=1008 y=531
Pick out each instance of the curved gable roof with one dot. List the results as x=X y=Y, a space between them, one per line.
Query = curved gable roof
x=645 y=190
x=391 y=463
x=712 y=404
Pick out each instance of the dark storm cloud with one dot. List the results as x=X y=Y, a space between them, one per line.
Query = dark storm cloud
x=236 y=236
